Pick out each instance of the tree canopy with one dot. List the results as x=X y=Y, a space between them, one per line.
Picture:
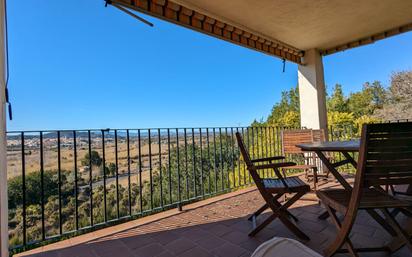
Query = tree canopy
x=372 y=103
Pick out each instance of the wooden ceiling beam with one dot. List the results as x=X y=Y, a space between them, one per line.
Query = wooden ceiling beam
x=175 y=13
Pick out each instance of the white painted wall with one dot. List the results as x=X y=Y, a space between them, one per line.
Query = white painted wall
x=4 y=238
x=312 y=91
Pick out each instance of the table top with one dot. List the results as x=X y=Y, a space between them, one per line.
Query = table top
x=332 y=146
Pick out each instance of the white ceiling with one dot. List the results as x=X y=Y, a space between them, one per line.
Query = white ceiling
x=307 y=24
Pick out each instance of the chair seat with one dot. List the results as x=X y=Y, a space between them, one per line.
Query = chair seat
x=339 y=199
x=294 y=184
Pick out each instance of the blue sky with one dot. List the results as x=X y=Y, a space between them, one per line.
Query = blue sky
x=76 y=64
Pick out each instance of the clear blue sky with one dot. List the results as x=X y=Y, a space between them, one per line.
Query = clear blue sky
x=76 y=64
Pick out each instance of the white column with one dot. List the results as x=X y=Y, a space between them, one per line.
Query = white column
x=312 y=91
x=4 y=237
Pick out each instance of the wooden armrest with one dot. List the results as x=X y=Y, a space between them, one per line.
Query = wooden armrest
x=274 y=165
x=273 y=158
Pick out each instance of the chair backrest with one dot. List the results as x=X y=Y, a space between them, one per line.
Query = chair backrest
x=243 y=150
x=290 y=138
x=385 y=158
x=318 y=135
x=388 y=157
x=250 y=166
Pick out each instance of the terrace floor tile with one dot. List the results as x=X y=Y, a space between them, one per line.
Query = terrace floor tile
x=216 y=226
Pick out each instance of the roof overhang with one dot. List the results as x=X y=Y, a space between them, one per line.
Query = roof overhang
x=286 y=28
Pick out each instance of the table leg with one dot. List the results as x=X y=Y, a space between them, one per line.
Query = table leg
x=332 y=169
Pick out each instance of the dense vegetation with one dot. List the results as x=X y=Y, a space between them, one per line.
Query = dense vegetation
x=373 y=103
x=199 y=170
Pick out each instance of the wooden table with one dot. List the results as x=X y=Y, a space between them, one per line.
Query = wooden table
x=344 y=147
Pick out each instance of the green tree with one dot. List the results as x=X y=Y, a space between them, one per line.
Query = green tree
x=95 y=159
x=289 y=106
x=367 y=101
x=337 y=102
x=33 y=182
x=398 y=104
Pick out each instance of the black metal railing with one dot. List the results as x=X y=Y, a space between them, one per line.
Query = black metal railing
x=65 y=182
x=69 y=181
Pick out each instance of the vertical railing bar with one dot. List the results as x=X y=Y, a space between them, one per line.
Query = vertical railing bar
x=169 y=167
x=59 y=183
x=222 y=168
x=263 y=147
x=202 y=187
x=43 y=232
x=257 y=143
x=159 y=137
x=267 y=147
x=129 y=195
x=214 y=158
x=253 y=142
x=280 y=140
x=273 y=140
x=104 y=177
x=90 y=177
x=194 y=162
x=227 y=154
x=248 y=148
x=76 y=201
x=150 y=168
x=139 y=146
x=23 y=182
x=117 y=172
x=238 y=157
x=270 y=140
x=179 y=196
x=232 y=159
x=186 y=164
x=208 y=160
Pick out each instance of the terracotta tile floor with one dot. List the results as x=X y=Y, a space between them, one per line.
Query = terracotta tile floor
x=213 y=227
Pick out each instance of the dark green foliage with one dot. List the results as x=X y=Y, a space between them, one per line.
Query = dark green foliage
x=33 y=182
x=95 y=158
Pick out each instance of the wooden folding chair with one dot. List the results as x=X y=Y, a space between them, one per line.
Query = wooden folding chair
x=273 y=189
x=307 y=161
x=384 y=159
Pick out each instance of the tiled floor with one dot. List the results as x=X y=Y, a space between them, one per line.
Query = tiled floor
x=214 y=227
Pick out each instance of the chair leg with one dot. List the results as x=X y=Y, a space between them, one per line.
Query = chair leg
x=343 y=239
x=395 y=212
x=292 y=216
x=315 y=178
x=259 y=211
x=402 y=234
x=280 y=211
x=283 y=218
x=324 y=216
x=382 y=222
x=263 y=224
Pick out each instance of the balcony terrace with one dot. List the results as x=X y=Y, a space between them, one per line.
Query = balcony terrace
x=184 y=192
x=217 y=226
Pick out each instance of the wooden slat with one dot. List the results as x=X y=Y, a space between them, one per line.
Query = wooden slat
x=389 y=155
x=290 y=138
